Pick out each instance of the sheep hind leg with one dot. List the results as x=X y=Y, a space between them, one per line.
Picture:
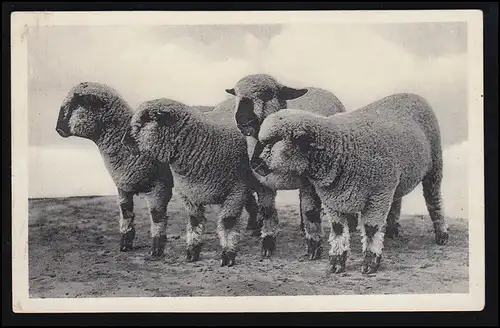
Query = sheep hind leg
x=269 y=214
x=432 y=193
x=158 y=200
x=195 y=229
x=339 y=241
x=310 y=210
x=252 y=209
x=127 y=228
x=392 y=229
x=227 y=227
x=373 y=225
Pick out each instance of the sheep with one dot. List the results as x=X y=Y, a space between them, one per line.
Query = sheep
x=97 y=112
x=364 y=161
x=224 y=115
x=256 y=97
x=209 y=164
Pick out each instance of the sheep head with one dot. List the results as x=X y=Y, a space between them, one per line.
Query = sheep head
x=154 y=127
x=82 y=111
x=258 y=96
x=284 y=144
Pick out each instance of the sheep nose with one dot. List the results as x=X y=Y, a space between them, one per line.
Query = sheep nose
x=62 y=132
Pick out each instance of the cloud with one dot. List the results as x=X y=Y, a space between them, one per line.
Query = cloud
x=360 y=66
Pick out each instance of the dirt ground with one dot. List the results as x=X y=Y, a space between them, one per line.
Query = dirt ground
x=74 y=252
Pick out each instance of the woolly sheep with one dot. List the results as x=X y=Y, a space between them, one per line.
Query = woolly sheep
x=363 y=162
x=209 y=164
x=256 y=97
x=97 y=112
x=224 y=116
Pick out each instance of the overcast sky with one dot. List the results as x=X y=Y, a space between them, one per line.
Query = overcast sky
x=194 y=64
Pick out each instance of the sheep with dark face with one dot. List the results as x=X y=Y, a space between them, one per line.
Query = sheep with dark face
x=363 y=162
x=256 y=97
x=97 y=112
x=209 y=164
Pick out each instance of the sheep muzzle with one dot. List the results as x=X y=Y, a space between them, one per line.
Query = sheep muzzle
x=256 y=163
x=62 y=126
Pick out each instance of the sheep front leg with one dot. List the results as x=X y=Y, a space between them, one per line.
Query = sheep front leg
x=310 y=210
x=158 y=200
x=195 y=229
x=339 y=241
x=392 y=229
x=227 y=226
x=269 y=215
x=127 y=229
x=252 y=209
x=373 y=225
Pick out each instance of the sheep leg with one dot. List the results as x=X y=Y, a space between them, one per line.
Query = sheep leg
x=269 y=215
x=227 y=229
x=339 y=241
x=373 y=225
x=392 y=229
x=157 y=201
x=432 y=193
x=127 y=228
x=310 y=209
x=195 y=229
x=252 y=209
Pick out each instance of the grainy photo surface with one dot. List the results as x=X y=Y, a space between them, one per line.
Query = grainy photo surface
x=266 y=158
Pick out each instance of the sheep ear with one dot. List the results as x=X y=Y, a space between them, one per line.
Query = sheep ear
x=303 y=140
x=231 y=92
x=287 y=93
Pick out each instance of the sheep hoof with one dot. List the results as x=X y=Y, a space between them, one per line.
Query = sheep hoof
x=193 y=253
x=127 y=241
x=442 y=237
x=391 y=232
x=228 y=258
x=268 y=246
x=371 y=263
x=314 y=249
x=158 y=247
x=337 y=262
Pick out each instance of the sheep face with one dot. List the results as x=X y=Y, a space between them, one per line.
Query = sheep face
x=152 y=129
x=82 y=111
x=282 y=157
x=258 y=96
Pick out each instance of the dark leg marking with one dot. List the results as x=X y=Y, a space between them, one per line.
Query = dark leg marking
x=229 y=222
x=352 y=221
x=337 y=228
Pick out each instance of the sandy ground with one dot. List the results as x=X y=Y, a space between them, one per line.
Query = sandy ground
x=74 y=252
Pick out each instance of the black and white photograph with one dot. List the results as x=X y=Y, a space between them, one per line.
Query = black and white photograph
x=247 y=161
